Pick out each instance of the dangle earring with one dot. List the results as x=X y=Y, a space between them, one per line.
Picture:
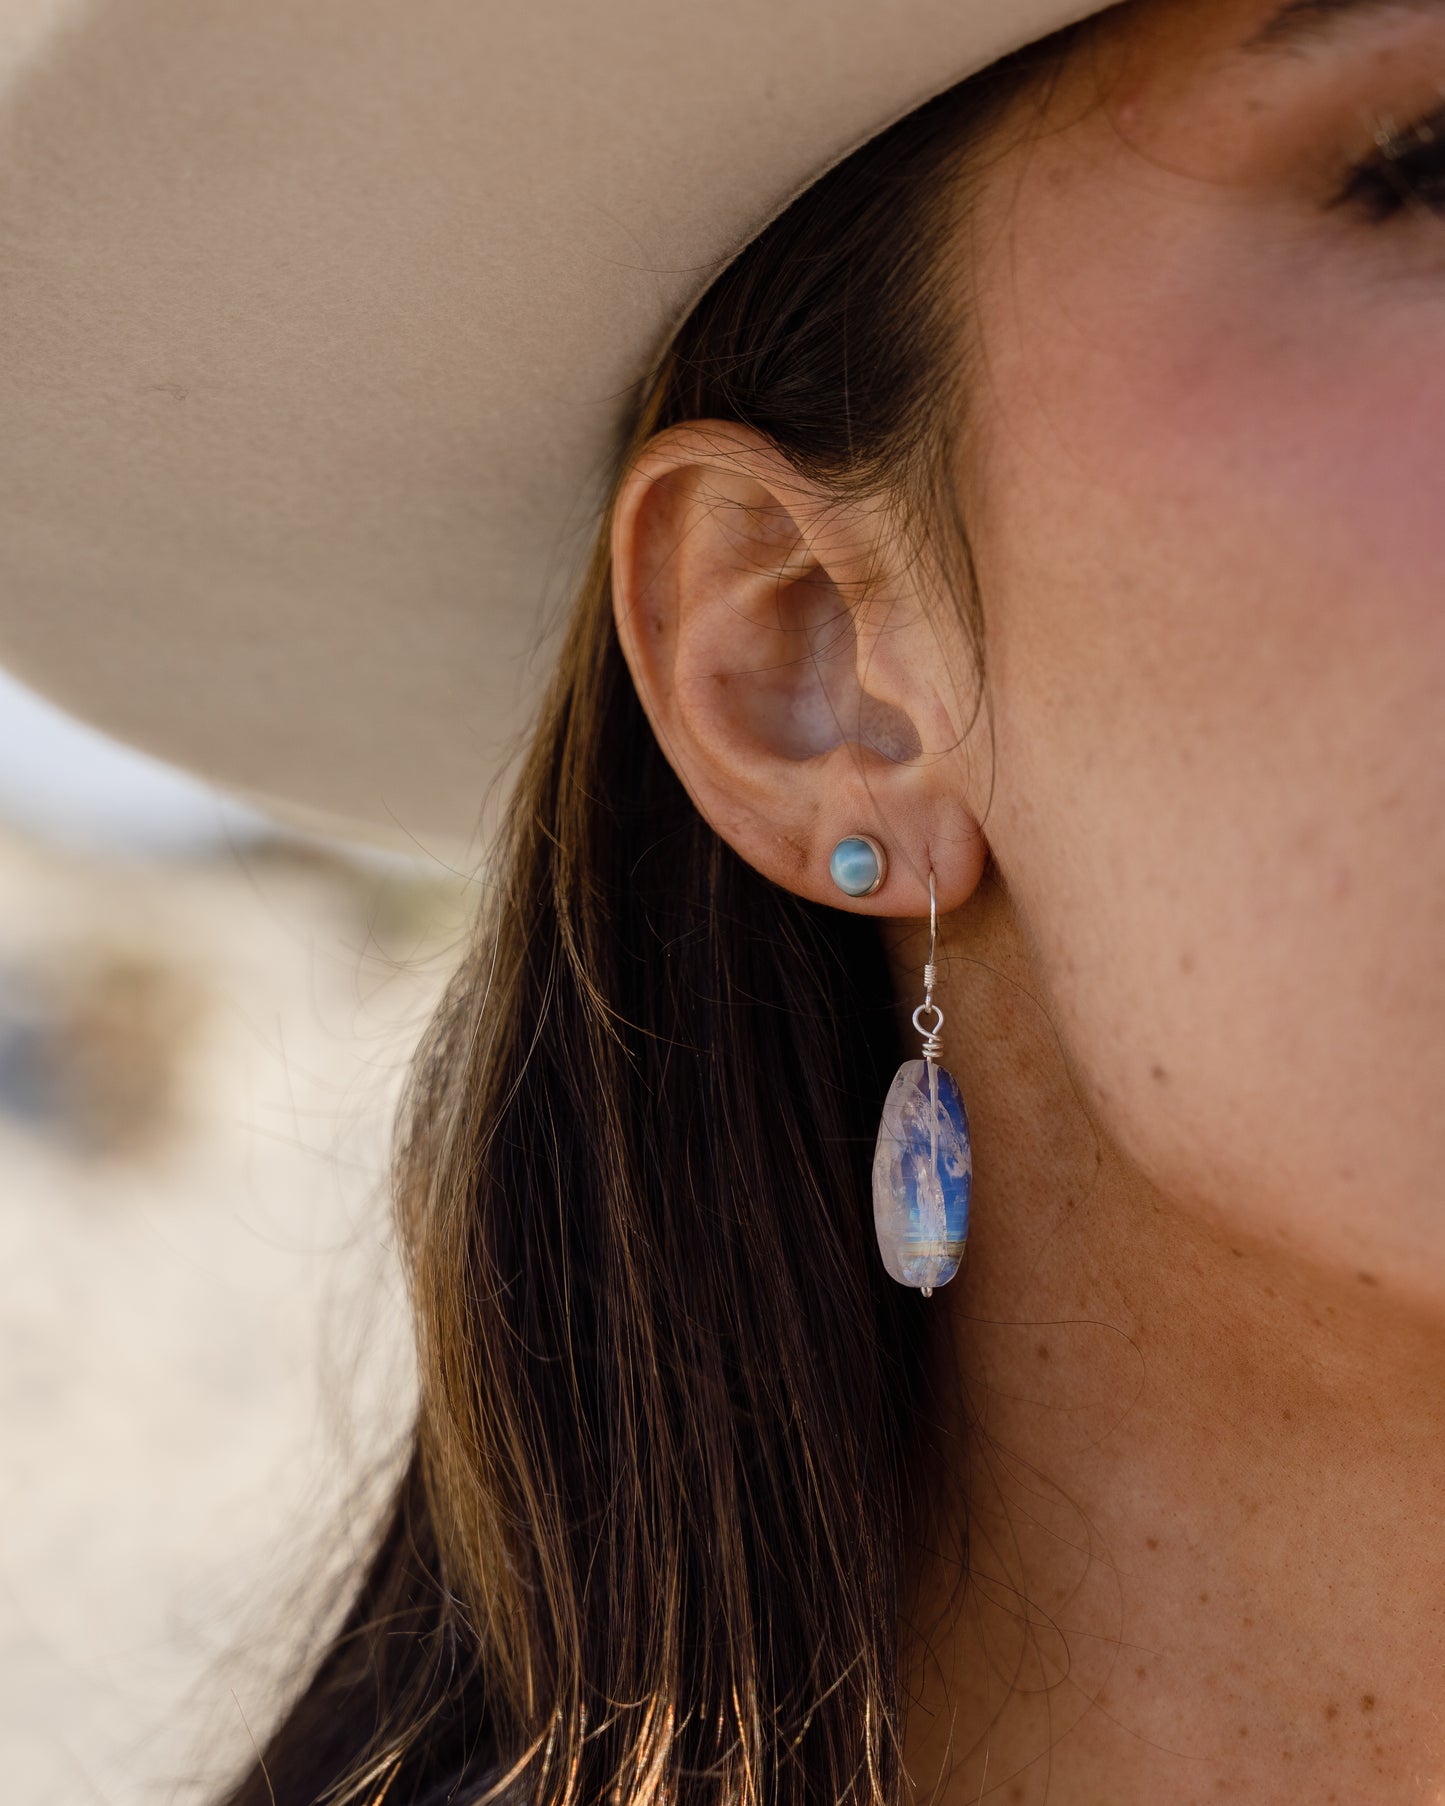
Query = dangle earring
x=923 y=1164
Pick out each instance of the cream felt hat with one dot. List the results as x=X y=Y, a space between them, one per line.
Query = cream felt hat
x=322 y=320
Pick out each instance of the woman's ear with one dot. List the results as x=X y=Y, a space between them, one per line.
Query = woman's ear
x=782 y=650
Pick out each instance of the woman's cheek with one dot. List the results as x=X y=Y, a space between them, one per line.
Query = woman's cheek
x=1213 y=809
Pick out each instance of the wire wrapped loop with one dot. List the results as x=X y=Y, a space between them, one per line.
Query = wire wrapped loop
x=932 y=1046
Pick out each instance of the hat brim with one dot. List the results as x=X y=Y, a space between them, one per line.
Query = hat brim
x=321 y=324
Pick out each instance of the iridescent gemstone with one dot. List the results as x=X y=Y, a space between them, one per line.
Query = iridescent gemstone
x=856 y=866
x=922 y=1172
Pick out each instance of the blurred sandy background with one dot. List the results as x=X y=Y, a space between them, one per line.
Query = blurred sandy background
x=205 y=1373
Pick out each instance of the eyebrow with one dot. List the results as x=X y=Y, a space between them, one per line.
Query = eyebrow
x=1312 y=22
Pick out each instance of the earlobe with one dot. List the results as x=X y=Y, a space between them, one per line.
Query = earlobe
x=748 y=604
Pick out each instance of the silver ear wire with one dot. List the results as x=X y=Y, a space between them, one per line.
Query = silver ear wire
x=932 y=1046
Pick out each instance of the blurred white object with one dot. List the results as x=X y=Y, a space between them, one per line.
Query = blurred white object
x=205 y=1353
x=78 y=788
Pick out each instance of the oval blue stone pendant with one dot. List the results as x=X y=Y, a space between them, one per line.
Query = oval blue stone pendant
x=922 y=1175
x=923 y=1163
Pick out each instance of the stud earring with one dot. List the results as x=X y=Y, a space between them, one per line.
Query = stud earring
x=858 y=866
x=923 y=1163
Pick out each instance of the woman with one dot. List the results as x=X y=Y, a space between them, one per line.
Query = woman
x=1043 y=509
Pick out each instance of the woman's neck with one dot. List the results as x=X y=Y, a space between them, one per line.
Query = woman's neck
x=1204 y=1479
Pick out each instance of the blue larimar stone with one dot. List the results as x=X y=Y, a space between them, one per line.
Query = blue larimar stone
x=922 y=1172
x=854 y=866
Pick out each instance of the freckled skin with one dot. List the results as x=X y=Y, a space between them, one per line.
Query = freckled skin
x=1197 y=1005
x=1191 y=876
x=1211 y=551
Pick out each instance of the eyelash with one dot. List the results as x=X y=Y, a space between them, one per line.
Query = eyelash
x=1408 y=166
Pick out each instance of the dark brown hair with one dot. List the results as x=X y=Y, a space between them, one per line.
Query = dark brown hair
x=650 y=1541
